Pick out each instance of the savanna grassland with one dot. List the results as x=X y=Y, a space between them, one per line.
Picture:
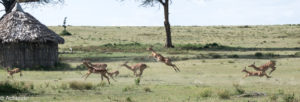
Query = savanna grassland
x=210 y=58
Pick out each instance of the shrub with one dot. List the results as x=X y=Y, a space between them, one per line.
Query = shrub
x=75 y=85
x=245 y=26
x=64 y=86
x=224 y=94
x=273 y=97
x=213 y=45
x=10 y=88
x=137 y=81
x=289 y=98
x=281 y=92
x=206 y=93
x=147 y=89
x=272 y=55
x=230 y=61
x=234 y=56
x=258 y=54
x=80 y=67
x=199 y=46
x=128 y=99
x=297 y=54
x=65 y=33
x=128 y=88
x=215 y=55
x=238 y=89
x=128 y=47
x=47 y=84
x=102 y=84
x=190 y=46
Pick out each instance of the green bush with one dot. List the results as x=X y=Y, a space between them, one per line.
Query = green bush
x=245 y=26
x=234 y=56
x=128 y=99
x=224 y=94
x=75 y=85
x=238 y=89
x=273 y=97
x=80 y=67
x=231 y=62
x=147 y=89
x=127 y=47
x=65 y=33
x=10 y=88
x=297 y=54
x=272 y=55
x=281 y=92
x=289 y=98
x=102 y=84
x=64 y=86
x=213 y=45
x=128 y=88
x=137 y=81
x=199 y=46
x=215 y=55
x=206 y=92
x=190 y=46
x=258 y=54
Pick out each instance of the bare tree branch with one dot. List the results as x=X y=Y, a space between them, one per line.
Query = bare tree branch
x=160 y=1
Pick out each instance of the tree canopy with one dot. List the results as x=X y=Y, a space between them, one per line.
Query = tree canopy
x=9 y=4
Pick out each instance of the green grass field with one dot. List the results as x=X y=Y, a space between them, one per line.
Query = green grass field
x=206 y=75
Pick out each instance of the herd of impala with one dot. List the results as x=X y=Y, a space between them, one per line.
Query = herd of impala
x=101 y=68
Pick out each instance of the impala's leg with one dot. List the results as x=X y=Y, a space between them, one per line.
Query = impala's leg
x=245 y=76
x=85 y=74
x=141 y=72
x=88 y=74
x=101 y=77
x=175 y=67
x=134 y=72
x=169 y=63
x=106 y=78
x=267 y=76
x=273 y=69
x=116 y=74
x=111 y=76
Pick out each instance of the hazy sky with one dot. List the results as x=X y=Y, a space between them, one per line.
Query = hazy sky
x=182 y=12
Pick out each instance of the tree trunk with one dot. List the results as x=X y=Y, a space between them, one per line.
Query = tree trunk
x=167 y=25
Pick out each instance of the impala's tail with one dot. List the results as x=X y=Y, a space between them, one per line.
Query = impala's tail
x=7 y=70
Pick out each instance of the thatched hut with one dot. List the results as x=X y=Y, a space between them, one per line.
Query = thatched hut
x=25 y=42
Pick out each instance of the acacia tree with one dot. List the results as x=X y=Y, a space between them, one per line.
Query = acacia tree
x=9 y=4
x=165 y=4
